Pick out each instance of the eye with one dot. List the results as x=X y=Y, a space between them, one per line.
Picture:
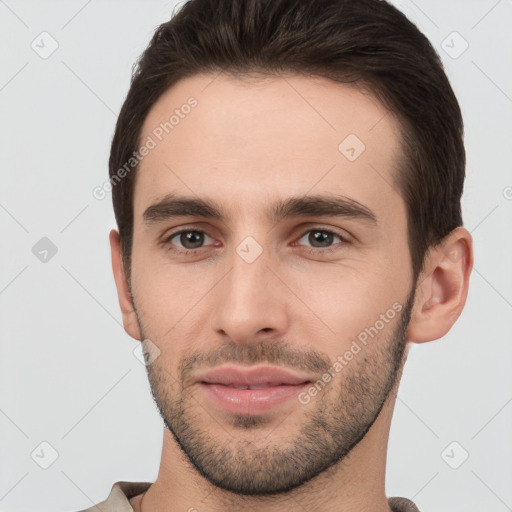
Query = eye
x=324 y=238
x=190 y=239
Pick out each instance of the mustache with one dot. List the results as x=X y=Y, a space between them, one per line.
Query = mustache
x=276 y=353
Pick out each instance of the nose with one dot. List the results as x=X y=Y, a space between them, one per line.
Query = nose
x=251 y=302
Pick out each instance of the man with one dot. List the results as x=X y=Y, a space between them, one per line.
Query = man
x=286 y=180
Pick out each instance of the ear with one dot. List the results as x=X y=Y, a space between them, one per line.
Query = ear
x=131 y=325
x=442 y=287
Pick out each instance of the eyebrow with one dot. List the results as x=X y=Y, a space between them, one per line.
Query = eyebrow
x=174 y=205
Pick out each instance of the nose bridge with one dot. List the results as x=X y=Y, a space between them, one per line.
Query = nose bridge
x=248 y=281
x=248 y=260
x=248 y=300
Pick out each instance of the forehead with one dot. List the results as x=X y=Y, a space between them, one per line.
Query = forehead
x=241 y=142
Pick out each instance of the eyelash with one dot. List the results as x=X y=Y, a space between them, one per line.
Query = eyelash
x=312 y=250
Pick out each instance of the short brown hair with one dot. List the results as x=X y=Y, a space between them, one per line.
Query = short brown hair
x=367 y=43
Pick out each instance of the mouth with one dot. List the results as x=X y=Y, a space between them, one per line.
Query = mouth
x=256 y=386
x=252 y=377
x=239 y=390
x=251 y=400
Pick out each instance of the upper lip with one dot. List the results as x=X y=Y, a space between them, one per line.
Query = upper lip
x=254 y=376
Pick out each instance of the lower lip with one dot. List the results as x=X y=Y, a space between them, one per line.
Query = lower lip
x=251 y=401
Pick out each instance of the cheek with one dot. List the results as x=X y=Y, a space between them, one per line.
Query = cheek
x=344 y=300
x=169 y=297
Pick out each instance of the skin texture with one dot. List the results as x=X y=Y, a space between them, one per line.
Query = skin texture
x=246 y=145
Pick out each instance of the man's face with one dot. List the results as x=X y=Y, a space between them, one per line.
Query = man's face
x=246 y=289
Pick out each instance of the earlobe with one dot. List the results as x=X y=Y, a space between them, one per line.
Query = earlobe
x=442 y=288
x=130 y=322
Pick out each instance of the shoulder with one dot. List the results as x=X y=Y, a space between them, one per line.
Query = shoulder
x=118 y=498
x=402 y=505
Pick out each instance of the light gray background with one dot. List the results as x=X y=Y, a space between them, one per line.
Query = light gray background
x=68 y=374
